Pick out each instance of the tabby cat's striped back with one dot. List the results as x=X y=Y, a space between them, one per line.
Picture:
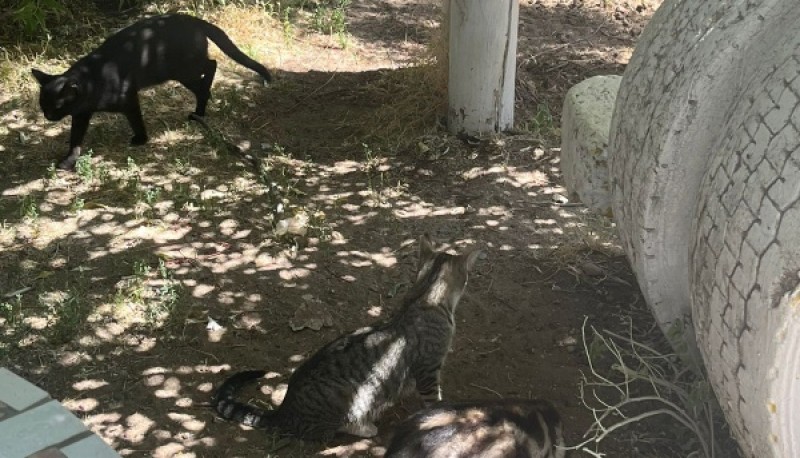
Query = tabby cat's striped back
x=486 y=429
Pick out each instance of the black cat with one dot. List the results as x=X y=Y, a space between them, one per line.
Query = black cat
x=146 y=53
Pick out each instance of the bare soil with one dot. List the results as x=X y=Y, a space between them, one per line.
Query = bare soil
x=141 y=377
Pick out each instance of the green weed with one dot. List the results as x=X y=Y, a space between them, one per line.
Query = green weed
x=52 y=174
x=68 y=317
x=131 y=169
x=11 y=312
x=376 y=178
x=84 y=167
x=542 y=122
x=166 y=296
x=148 y=296
x=287 y=26
x=31 y=17
x=77 y=204
x=331 y=19
x=29 y=208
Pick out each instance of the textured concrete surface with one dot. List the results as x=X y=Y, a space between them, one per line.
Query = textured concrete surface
x=705 y=183
x=674 y=95
x=746 y=257
x=585 y=123
x=34 y=426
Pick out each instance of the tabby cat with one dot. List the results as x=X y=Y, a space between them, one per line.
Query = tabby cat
x=144 y=54
x=487 y=429
x=345 y=385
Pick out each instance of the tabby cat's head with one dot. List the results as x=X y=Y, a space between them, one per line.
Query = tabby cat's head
x=58 y=94
x=442 y=277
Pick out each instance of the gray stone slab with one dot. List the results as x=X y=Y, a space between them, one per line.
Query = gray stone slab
x=17 y=392
x=90 y=447
x=585 y=122
x=37 y=429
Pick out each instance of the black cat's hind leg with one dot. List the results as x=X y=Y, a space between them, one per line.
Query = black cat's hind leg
x=201 y=87
x=134 y=114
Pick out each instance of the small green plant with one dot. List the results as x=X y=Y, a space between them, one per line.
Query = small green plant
x=332 y=18
x=344 y=41
x=141 y=269
x=52 y=174
x=318 y=19
x=542 y=122
x=339 y=22
x=69 y=317
x=182 y=166
x=131 y=169
x=77 y=204
x=374 y=163
x=103 y=173
x=166 y=295
x=319 y=226
x=29 y=208
x=147 y=197
x=286 y=25
x=31 y=17
x=11 y=312
x=148 y=296
x=150 y=195
x=11 y=320
x=84 y=167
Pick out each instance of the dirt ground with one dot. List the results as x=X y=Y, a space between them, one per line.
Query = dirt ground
x=118 y=274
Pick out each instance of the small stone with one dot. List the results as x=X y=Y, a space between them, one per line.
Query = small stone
x=311 y=314
x=591 y=269
x=567 y=341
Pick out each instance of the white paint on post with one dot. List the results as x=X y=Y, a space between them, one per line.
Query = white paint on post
x=483 y=62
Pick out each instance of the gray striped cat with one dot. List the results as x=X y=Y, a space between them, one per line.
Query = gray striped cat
x=486 y=429
x=346 y=384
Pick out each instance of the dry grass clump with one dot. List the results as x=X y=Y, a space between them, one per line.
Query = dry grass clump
x=416 y=96
x=630 y=381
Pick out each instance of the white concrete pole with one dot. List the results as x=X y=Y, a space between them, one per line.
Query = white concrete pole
x=483 y=62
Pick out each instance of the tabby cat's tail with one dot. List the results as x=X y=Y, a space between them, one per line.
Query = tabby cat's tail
x=230 y=409
x=223 y=42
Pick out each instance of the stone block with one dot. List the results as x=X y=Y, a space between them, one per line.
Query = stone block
x=585 y=124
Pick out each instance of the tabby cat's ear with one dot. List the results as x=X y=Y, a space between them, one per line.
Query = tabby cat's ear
x=42 y=77
x=426 y=250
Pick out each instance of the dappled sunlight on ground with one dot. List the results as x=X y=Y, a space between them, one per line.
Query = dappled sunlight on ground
x=167 y=269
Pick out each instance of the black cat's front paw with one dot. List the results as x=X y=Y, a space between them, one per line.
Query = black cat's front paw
x=68 y=162
x=198 y=119
x=138 y=140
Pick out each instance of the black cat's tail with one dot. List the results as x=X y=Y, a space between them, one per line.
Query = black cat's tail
x=230 y=409
x=223 y=42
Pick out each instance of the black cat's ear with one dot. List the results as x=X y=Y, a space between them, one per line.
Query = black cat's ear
x=42 y=77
